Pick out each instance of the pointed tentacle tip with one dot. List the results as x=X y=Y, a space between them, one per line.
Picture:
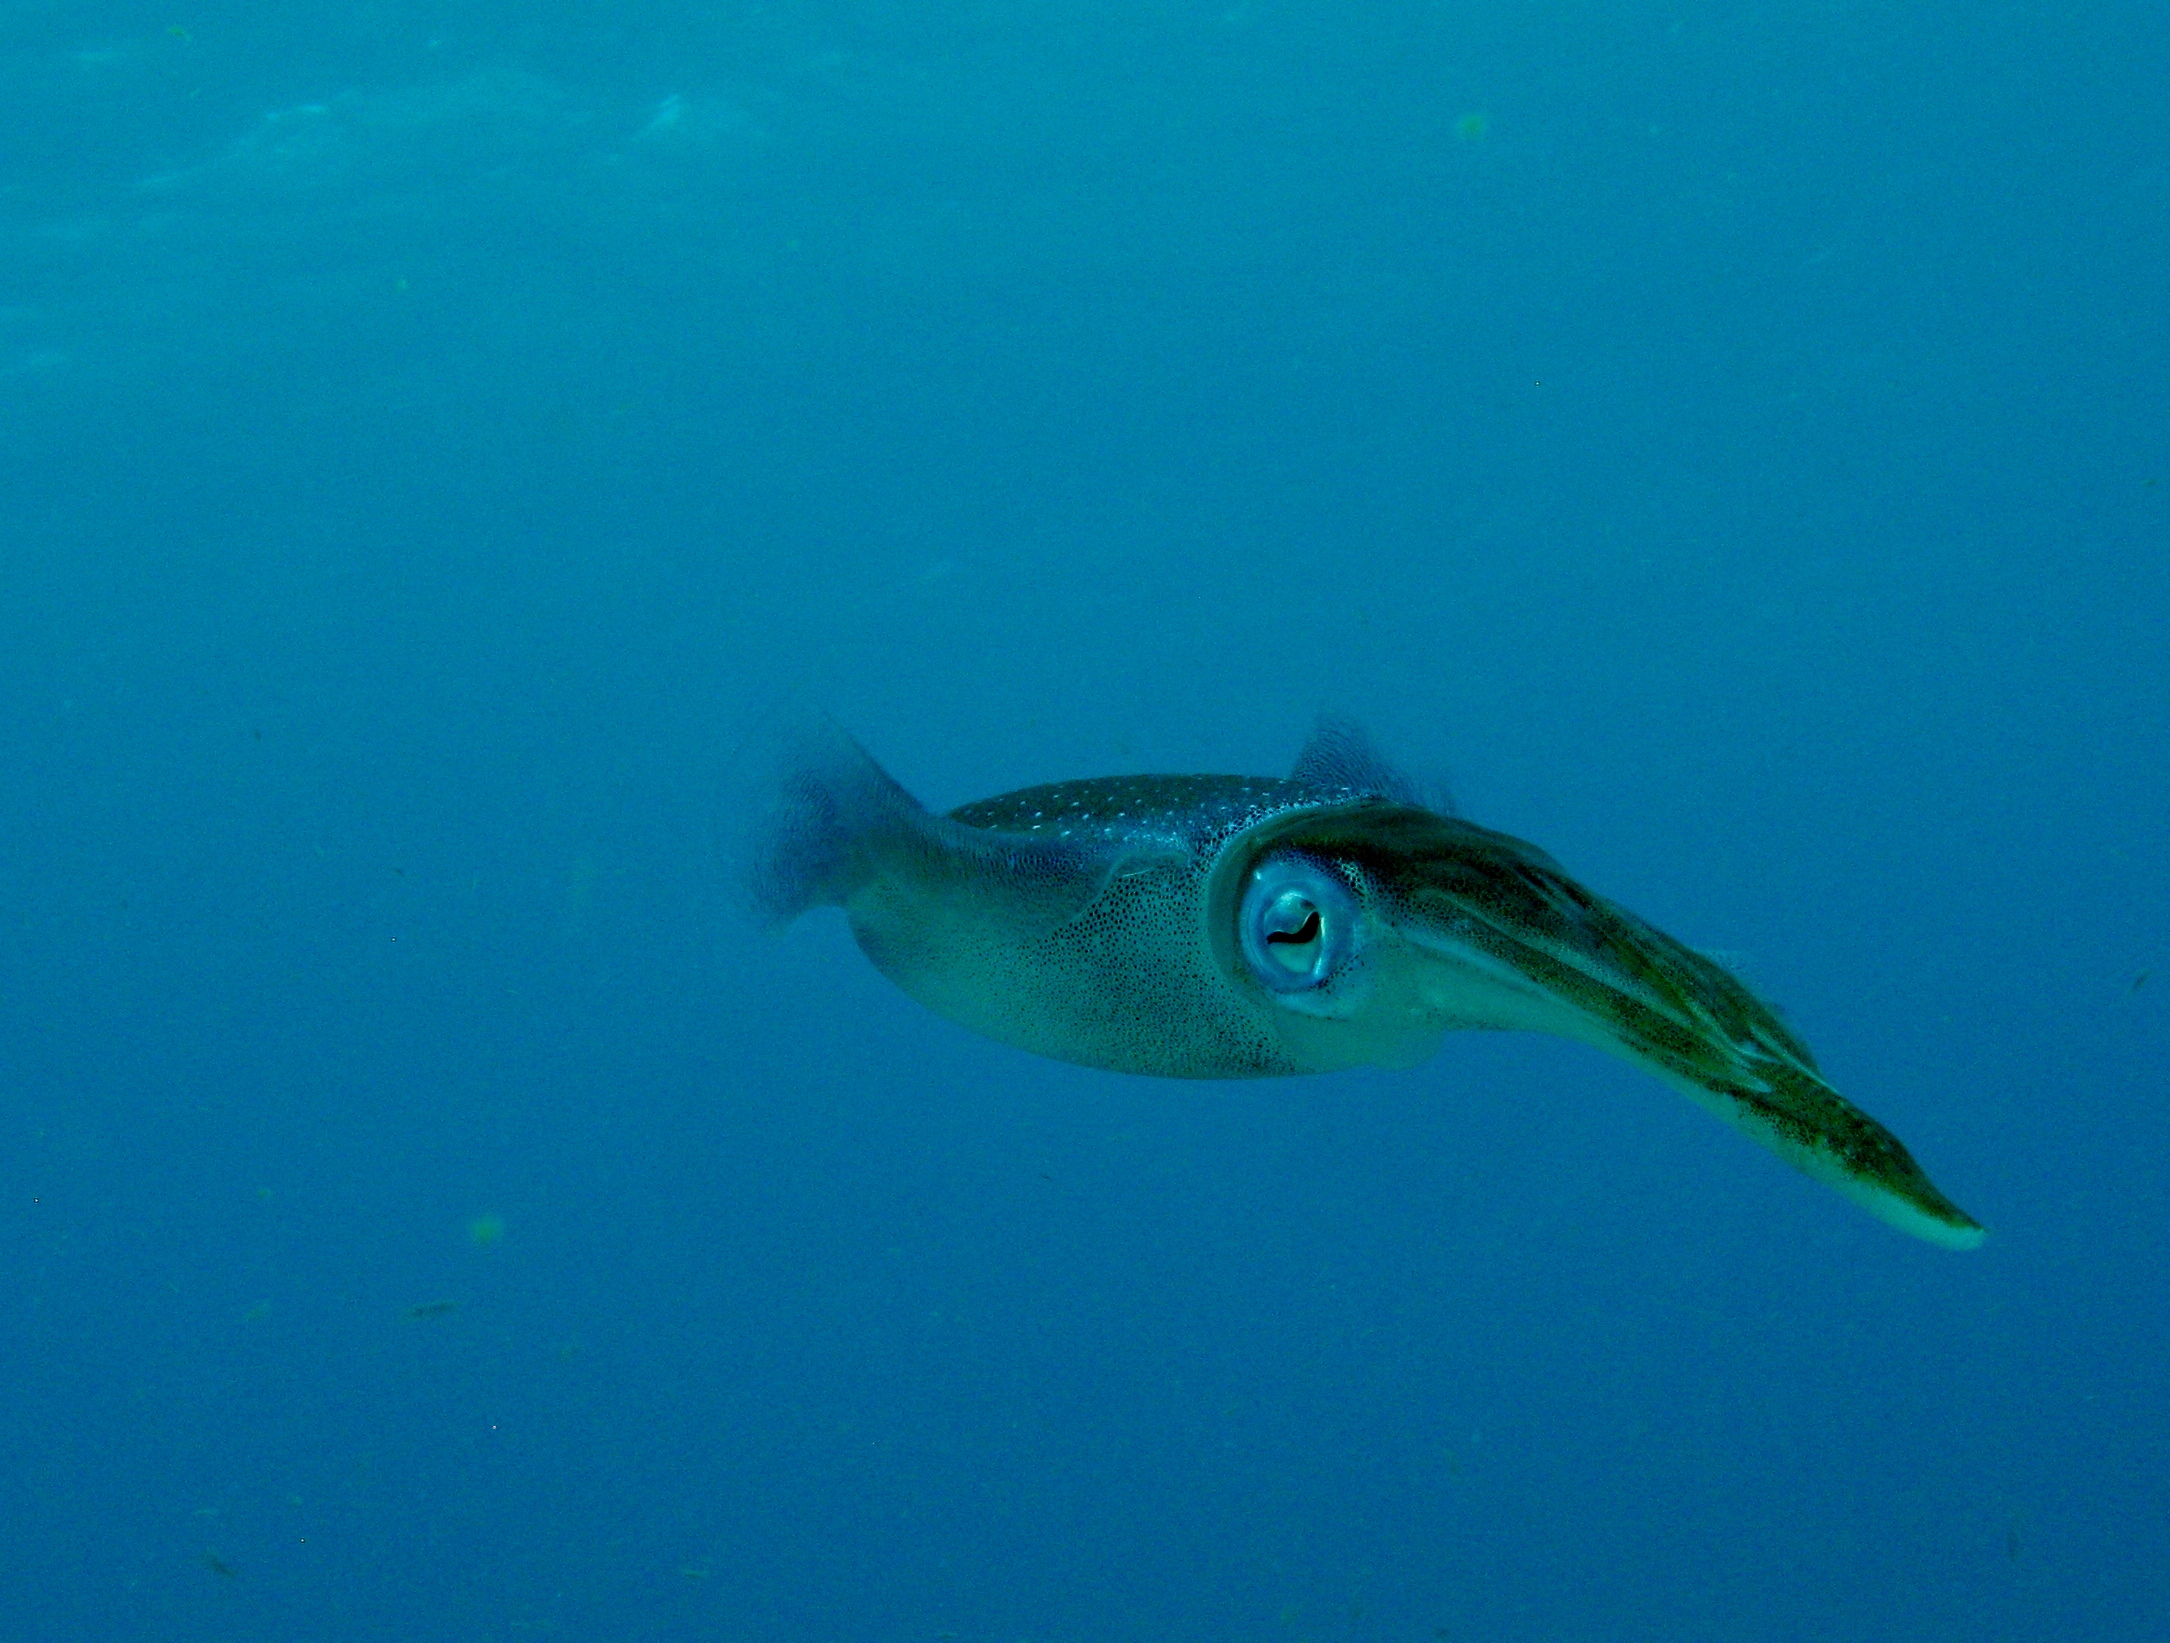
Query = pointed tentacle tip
x=1940 y=1222
x=1964 y=1233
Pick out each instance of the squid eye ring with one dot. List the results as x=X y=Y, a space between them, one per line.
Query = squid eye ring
x=1296 y=925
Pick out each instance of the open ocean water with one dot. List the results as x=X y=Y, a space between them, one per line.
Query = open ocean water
x=1729 y=443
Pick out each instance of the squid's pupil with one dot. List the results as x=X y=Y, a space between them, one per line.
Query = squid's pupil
x=1308 y=931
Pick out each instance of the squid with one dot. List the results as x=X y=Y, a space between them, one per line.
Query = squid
x=1223 y=927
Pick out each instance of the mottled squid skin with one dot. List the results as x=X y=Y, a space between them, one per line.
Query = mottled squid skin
x=1248 y=927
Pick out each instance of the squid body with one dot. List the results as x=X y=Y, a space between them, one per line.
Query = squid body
x=1252 y=927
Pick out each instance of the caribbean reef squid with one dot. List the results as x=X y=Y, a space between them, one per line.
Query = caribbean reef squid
x=1252 y=927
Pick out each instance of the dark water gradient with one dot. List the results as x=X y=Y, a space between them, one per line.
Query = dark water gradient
x=1737 y=460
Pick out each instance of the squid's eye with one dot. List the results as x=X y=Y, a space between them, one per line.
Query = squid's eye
x=1297 y=923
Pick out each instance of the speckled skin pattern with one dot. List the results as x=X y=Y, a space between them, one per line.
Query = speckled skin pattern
x=1130 y=979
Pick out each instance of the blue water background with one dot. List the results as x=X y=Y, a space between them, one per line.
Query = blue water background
x=1726 y=442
